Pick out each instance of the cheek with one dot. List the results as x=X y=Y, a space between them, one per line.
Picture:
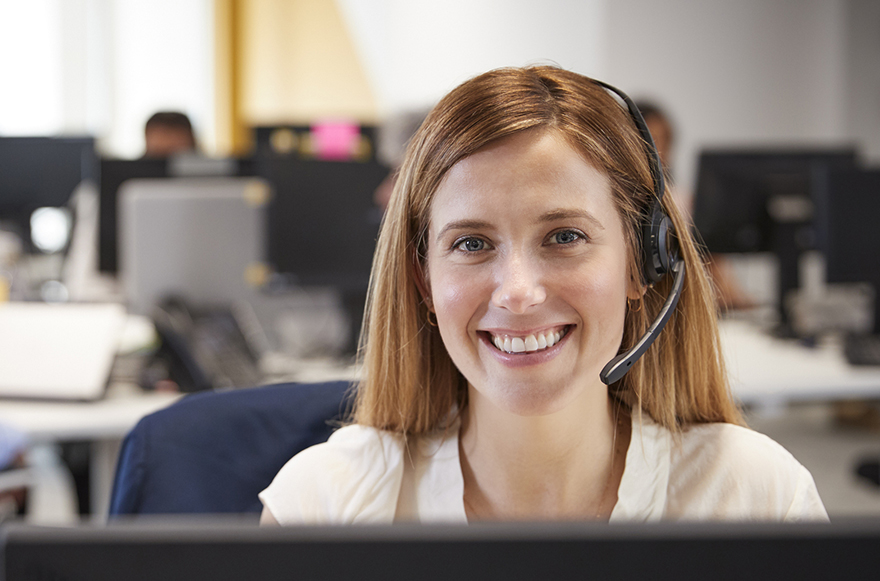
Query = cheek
x=600 y=296
x=456 y=299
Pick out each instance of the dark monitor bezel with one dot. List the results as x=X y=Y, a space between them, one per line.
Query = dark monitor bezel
x=661 y=551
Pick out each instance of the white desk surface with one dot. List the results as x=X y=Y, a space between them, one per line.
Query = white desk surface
x=764 y=371
x=103 y=423
x=769 y=372
x=106 y=419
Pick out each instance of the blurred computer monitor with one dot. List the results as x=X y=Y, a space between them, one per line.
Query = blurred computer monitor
x=850 y=231
x=115 y=172
x=190 y=238
x=750 y=201
x=304 y=141
x=322 y=222
x=658 y=551
x=39 y=172
x=322 y=226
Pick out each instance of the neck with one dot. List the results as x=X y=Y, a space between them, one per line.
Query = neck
x=563 y=465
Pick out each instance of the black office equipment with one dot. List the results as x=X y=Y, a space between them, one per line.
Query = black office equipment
x=851 y=242
x=38 y=172
x=297 y=141
x=322 y=223
x=322 y=226
x=115 y=172
x=510 y=551
x=749 y=201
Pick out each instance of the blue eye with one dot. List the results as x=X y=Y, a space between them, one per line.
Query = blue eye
x=566 y=237
x=471 y=245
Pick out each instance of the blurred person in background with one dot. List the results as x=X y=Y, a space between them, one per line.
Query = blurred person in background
x=167 y=133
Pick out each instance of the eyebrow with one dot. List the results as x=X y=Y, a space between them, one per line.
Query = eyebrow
x=568 y=213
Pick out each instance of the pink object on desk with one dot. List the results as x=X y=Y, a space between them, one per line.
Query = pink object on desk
x=335 y=140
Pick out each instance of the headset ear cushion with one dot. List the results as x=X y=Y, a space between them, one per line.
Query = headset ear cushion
x=658 y=257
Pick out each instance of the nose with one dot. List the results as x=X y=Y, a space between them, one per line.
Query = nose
x=520 y=285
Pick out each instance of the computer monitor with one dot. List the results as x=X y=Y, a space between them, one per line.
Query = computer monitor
x=322 y=225
x=300 y=140
x=322 y=222
x=37 y=172
x=115 y=172
x=510 y=551
x=850 y=232
x=749 y=201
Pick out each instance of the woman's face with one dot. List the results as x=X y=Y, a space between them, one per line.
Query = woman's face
x=526 y=272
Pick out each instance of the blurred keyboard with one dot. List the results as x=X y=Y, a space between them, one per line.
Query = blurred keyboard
x=862 y=349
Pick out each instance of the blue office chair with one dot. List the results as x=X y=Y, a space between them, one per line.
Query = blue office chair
x=213 y=452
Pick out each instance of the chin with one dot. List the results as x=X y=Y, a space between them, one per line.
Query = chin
x=531 y=401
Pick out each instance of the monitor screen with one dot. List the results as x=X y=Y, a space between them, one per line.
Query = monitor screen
x=660 y=551
x=37 y=172
x=850 y=234
x=750 y=201
x=322 y=222
x=743 y=196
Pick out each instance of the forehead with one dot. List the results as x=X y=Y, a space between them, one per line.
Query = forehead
x=535 y=169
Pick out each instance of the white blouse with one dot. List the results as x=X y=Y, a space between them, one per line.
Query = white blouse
x=710 y=472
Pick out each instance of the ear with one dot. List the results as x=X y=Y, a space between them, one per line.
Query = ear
x=420 y=279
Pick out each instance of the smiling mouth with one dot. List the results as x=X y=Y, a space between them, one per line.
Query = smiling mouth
x=529 y=343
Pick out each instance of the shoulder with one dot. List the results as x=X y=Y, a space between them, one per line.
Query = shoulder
x=728 y=471
x=353 y=477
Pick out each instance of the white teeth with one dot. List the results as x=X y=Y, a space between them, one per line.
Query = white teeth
x=529 y=343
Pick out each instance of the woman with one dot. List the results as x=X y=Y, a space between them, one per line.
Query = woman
x=508 y=273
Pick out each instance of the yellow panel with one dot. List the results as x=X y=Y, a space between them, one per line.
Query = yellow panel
x=299 y=64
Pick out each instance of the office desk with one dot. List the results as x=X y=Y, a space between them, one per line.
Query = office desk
x=103 y=423
x=771 y=373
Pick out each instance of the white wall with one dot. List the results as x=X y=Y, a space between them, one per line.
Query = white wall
x=162 y=58
x=744 y=72
x=103 y=66
x=30 y=67
x=862 y=100
x=415 y=51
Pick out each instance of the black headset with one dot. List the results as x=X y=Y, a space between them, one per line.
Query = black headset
x=659 y=250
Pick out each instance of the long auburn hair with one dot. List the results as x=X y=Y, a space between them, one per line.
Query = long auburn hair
x=409 y=383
